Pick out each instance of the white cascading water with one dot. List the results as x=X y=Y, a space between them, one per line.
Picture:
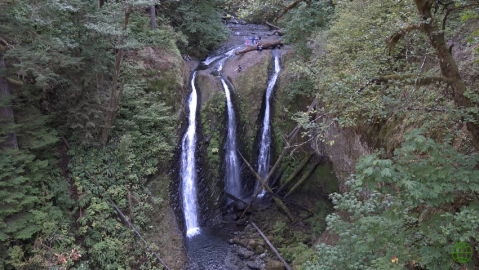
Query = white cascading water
x=264 y=155
x=188 y=167
x=233 y=181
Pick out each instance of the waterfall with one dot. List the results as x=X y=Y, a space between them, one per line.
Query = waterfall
x=188 y=167
x=264 y=153
x=233 y=185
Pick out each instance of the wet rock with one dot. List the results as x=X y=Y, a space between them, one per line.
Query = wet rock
x=252 y=265
x=241 y=221
x=262 y=255
x=248 y=254
x=274 y=265
x=231 y=241
x=252 y=244
x=259 y=249
x=244 y=242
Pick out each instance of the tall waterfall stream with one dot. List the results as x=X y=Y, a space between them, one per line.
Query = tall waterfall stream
x=207 y=247
x=188 y=166
x=265 y=145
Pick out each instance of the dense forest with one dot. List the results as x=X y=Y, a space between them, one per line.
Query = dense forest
x=90 y=127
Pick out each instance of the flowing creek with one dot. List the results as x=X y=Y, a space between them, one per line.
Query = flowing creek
x=208 y=247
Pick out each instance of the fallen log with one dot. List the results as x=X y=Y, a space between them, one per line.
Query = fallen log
x=137 y=233
x=275 y=181
x=272 y=247
x=305 y=176
x=280 y=32
x=272 y=25
x=298 y=169
x=291 y=137
x=234 y=198
x=254 y=48
x=263 y=184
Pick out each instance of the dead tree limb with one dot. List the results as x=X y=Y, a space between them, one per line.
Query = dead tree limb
x=290 y=202
x=263 y=184
x=276 y=179
x=287 y=8
x=272 y=247
x=254 y=48
x=429 y=109
x=391 y=43
x=137 y=233
x=305 y=176
x=298 y=169
x=234 y=198
x=449 y=10
x=280 y=32
x=291 y=137
x=272 y=25
x=406 y=79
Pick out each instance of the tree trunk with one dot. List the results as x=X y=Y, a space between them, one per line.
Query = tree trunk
x=263 y=184
x=254 y=48
x=447 y=63
x=6 y=112
x=114 y=98
x=153 y=17
x=305 y=176
x=298 y=169
x=286 y=265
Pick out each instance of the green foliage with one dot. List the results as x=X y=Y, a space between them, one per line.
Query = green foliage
x=201 y=23
x=305 y=19
x=142 y=137
x=259 y=11
x=212 y=117
x=409 y=209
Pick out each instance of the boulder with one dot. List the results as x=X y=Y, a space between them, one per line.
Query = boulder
x=259 y=249
x=244 y=242
x=252 y=265
x=275 y=265
x=241 y=222
x=248 y=254
x=252 y=244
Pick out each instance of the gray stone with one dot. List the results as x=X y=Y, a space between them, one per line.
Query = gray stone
x=236 y=240
x=262 y=255
x=244 y=242
x=231 y=241
x=274 y=265
x=259 y=249
x=252 y=265
x=241 y=221
x=241 y=252
x=252 y=244
x=248 y=254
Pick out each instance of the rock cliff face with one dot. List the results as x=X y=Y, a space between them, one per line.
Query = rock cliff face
x=165 y=72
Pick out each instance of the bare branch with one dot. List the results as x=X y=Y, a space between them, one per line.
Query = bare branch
x=287 y=8
x=391 y=43
x=272 y=25
x=405 y=79
x=449 y=10
x=429 y=109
